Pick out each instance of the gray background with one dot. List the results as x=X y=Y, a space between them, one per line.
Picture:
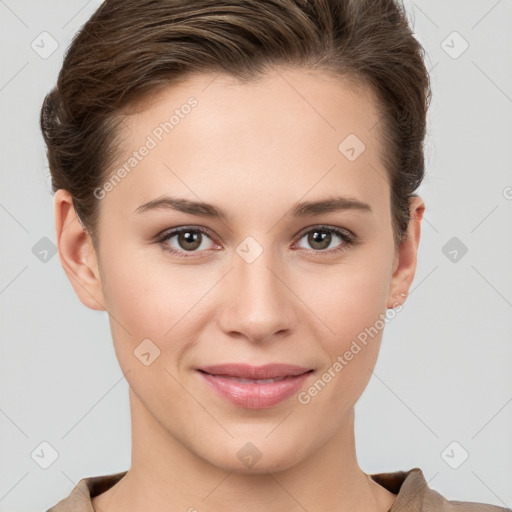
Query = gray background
x=444 y=373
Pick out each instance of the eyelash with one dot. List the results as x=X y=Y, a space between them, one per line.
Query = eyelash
x=349 y=239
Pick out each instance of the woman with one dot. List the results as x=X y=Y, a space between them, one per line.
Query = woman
x=235 y=185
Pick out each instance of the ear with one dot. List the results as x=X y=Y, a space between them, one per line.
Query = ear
x=77 y=254
x=406 y=258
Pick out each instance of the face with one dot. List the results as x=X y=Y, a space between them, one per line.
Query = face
x=273 y=280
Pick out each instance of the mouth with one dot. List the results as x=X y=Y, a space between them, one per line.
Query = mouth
x=250 y=381
x=253 y=381
x=261 y=374
x=255 y=387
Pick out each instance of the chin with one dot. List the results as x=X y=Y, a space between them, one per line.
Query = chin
x=246 y=458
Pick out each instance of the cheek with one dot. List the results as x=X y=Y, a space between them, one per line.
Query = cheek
x=351 y=302
x=348 y=298
x=155 y=301
x=149 y=331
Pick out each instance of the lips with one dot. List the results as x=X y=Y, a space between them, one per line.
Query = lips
x=255 y=387
x=250 y=373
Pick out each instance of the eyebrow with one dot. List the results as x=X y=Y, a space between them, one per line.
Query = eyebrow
x=301 y=209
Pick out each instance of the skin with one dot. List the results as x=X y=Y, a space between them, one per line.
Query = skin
x=255 y=150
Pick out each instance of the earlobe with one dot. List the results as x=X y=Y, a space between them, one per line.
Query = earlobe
x=405 y=264
x=77 y=254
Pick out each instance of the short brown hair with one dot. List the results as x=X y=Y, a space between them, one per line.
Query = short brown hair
x=130 y=48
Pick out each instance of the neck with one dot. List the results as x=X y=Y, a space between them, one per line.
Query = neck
x=165 y=475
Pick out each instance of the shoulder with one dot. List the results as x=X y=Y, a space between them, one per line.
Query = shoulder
x=414 y=495
x=471 y=506
x=79 y=500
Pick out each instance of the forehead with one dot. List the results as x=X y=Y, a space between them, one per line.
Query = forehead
x=325 y=101
x=288 y=130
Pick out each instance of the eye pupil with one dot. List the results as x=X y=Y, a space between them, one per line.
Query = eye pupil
x=321 y=239
x=189 y=240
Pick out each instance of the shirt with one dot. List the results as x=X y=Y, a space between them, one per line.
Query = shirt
x=413 y=494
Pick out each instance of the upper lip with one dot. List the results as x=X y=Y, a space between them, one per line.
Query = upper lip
x=247 y=371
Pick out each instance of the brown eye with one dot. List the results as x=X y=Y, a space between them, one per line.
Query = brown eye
x=185 y=240
x=189 y=240
x=320 y=239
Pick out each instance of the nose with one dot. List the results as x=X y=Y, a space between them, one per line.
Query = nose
x=258 y=304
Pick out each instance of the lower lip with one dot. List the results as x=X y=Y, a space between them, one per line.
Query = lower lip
x=258 y=395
